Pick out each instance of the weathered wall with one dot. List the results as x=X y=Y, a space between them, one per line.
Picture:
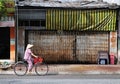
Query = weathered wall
x=119 y=38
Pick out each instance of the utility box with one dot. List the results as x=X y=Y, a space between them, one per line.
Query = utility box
x=103 y=57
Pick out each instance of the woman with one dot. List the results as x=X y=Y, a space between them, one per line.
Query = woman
x=28 y=57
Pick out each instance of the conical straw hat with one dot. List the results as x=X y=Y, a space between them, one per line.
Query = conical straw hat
x=29 y=46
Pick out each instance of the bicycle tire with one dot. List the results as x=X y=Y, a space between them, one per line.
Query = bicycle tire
x=41 y=69
x=20 y=68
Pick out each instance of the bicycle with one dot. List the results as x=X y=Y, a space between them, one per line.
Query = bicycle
x=41 y=68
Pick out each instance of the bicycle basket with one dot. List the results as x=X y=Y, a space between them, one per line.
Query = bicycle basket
x=39 y=59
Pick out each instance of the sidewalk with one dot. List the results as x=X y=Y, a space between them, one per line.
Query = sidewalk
x=76 y=69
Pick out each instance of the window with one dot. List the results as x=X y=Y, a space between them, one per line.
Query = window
x=40 y=23
x=32 y=17
x=34 y=23
x=31 y=14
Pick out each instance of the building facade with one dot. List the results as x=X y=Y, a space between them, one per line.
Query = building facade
x=7 y=31
x=67 y=32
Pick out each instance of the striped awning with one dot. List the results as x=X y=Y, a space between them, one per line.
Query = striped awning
x=82 y=20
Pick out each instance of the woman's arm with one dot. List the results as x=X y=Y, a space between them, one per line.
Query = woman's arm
x=34 y=55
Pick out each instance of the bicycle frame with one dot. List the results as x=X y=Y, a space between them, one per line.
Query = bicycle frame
x=40 y=67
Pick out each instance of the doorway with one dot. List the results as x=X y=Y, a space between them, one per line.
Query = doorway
x=4 y=43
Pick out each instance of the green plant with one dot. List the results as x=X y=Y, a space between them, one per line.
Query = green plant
x=2 y=8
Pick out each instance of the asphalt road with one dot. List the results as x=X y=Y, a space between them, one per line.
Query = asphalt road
x=60 y=79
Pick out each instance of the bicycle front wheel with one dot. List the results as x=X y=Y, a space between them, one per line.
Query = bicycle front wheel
x=41 y=69
x=20 y=69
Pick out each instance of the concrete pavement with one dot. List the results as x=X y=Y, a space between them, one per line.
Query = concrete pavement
x=75 y=69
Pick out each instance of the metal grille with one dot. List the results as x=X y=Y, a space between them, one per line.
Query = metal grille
x=68 y=47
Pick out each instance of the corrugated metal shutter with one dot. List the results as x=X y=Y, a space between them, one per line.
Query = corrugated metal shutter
x=88 y=45
x=68 y=47
x=53 y=47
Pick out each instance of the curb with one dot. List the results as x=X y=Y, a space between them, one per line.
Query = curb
x=75 y=69
x=65 y=73
x=89 y=72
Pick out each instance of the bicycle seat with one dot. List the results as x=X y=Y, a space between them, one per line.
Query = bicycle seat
x=25 y=61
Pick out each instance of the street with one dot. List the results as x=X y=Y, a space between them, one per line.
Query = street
x=60 y=79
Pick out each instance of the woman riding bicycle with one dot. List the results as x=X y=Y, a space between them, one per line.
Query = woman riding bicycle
x=40 y=67
x=28 y=57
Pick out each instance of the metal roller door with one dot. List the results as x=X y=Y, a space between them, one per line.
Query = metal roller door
x=88 y=45
x=53 y=47
x=68 y=47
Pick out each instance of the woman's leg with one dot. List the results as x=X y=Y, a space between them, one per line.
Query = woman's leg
x=30 y=65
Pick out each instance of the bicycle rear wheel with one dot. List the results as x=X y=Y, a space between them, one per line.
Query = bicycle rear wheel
x=41 y=69
x=20 y=69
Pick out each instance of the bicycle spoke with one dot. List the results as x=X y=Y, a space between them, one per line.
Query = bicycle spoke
x=41 y=69
x=20 y=69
